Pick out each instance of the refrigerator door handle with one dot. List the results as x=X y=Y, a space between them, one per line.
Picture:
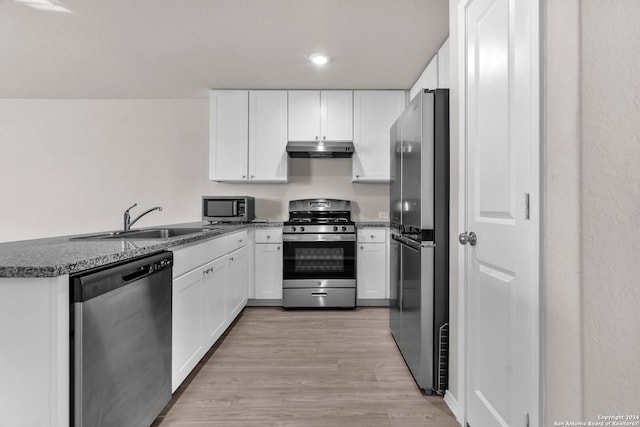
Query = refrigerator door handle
x=411 y=243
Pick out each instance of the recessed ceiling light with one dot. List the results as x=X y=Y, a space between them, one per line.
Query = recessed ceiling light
x=319 y=58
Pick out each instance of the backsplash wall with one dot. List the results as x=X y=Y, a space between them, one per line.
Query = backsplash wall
x=72 y=166
x=311 y=178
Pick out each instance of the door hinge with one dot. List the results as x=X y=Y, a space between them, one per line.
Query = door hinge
x=527 y=212
x=526 y=419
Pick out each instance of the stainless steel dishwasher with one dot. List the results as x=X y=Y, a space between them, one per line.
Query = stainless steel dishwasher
x=121 y=342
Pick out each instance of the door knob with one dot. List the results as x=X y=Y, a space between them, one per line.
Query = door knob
x=470 y=238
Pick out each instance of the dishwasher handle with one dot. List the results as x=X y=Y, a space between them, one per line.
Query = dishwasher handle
x=137 y=274
x=95 y=282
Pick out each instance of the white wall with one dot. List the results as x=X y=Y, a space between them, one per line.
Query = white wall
x=452 y=81
x=610 y=174
x=73 y=166
x=592 y=200
x=309 y=178
x=561 y=263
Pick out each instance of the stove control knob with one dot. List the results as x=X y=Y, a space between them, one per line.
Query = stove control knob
x=344 y=228
x=301 y=228
x=335 y=228
x=293 y=228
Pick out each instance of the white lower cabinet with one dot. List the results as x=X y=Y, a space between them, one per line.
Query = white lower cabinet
x=372 y=264
x=206 y=298
x=268 y=264
x=236 y=283
x=213 y=301
x=187 y=325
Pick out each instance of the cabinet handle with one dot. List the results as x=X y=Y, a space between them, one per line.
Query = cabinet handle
x=230 y=258
x=324 y=137
x=240 y=241
x=372 y=236
x=268 y=237
x=317 y=138
x=251 y=176
x=244 y=176
x=357 y=176
x=278 y=247
x=361 y=248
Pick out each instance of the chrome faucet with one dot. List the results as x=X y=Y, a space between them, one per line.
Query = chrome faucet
x=126 y=218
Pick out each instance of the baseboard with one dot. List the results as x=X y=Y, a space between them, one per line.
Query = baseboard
x=372 y=303
x=264 y=303
x=452 y=403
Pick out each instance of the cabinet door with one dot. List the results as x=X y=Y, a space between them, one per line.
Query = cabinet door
x=228 y=135
x=268 y=271
x=372 y=274
x=214 y=315
x=304 y=115
x=268 y=157
x=336 y=115
x=374 y=112
x=187 y=325
x=236 y=285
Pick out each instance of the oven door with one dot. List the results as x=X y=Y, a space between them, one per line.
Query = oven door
x=319 y=260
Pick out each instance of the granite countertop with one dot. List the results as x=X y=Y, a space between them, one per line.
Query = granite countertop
x=56 y=256
x=371 y=224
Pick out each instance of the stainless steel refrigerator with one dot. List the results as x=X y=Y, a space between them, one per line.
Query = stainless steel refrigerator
x=419 y=205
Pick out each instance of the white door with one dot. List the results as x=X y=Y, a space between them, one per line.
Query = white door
x=372 y=276
x=268 y=159
x=336 y=115
x=268 y=271
x=228 y=134
x=304 y=115
x=236 y=288
x=374 y=112
x=214 y=316
x=187 y=325
x=502 y=128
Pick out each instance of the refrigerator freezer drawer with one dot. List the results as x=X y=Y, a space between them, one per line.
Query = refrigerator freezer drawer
x=319 y=298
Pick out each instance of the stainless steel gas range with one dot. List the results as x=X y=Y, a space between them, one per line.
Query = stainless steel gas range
x=319 y=257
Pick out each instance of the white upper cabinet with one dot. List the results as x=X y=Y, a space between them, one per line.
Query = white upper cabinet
x=248 y=136
x=268 y=159
x=443 y=66
x=228 y=135
x=373 y=114
x=320 y=115
x=304 y=115
x=336 y=115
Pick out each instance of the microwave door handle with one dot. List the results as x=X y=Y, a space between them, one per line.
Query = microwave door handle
x=234 y=208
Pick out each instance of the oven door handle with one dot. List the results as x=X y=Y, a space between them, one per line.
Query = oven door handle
x=318 y=237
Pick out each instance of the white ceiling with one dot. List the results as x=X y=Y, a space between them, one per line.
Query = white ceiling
x=181 y=48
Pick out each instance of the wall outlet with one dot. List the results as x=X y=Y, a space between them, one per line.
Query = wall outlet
x=383 y=215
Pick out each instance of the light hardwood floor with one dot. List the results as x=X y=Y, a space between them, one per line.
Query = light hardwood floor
x=305 y=368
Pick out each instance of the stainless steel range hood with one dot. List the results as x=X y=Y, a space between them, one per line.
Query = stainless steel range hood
x=320 y=149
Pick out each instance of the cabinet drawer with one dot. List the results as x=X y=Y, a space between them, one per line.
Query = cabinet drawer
x=372 y=235
x=237 y=240
x=268 y=235
x=186 y=258
x=319 y=297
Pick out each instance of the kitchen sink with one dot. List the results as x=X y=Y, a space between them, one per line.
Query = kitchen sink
x=148 y=233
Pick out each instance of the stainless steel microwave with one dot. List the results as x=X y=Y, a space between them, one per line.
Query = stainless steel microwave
x=228 y=208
